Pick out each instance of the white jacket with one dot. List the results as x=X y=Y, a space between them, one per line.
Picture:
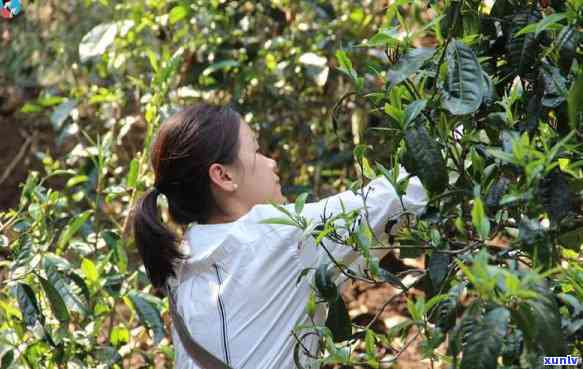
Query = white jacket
x=237 y=291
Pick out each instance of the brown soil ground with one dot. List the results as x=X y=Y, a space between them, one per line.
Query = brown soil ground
x=365 y=301
x=20 y=138
x=11 y=172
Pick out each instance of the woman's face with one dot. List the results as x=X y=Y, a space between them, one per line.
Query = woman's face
x=258 y=181
x=252 y=180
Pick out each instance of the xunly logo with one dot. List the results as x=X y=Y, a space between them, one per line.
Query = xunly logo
x=561 y=360
x=10 y=8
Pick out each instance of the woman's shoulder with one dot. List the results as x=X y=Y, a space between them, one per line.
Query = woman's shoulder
x=270 y=221
x=206 y=244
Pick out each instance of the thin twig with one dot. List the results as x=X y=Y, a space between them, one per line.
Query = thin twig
x=21 y=153
x=346 y=271
x=424 y=247
x=382 y=309
x=403 y=349
x=394 y=358
x=301 y=343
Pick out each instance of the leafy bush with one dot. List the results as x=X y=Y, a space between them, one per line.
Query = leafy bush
x=491 y=122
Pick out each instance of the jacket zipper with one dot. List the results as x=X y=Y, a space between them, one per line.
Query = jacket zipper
x=223 y=318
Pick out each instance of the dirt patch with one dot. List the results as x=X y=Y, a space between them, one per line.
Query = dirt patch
x=15 y=159
x=364 y=301
x=20 y=138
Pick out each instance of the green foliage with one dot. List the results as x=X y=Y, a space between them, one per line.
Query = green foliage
x=464 y=89
x=487 y=113
x=488 y=119
x=338 y=320
x=409 y=64
x=484 y=340
x=428 y=162
x=149 y=313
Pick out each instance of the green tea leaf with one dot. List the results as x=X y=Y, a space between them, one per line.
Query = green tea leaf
x=300 y=201
x=575 y=107
x=446 y=310
x=283 y=221
x=540 y=321
x=483 y=345
x=522 y=49
x=7 y=359
x=554 y=194
x=61 y=113
x=56 y=301
x=480 y=220
x=119 y=335
x=324 y=283
x=543 y=24
x=338 y=320
x=221 y=65
x=386 y=36
x=61 y=284
x=73 y=181
x=88 y=268
x=573 y=239
x=369 y=341
x=555 y=86
x=117 y=245
x=496 y=192
x=345 y=64
x=438 y=268
x=425 y=153
x=28 y=305
x=567 y=44
x=413 y=110
x=409 y=64
x=178 y=13
x=464 y=89
x=148 y=314
x=100 y=38
x=389 y=277
x=72 y=228
x=133 y=173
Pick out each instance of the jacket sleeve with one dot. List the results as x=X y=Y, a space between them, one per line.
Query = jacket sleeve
x=382 y=203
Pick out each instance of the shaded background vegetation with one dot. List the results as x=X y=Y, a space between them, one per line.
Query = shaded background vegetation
x=84 y=85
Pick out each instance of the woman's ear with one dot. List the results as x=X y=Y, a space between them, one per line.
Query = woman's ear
x=221 y=176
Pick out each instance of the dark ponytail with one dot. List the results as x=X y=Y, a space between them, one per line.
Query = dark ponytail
x=182 y=152
x=157 y=244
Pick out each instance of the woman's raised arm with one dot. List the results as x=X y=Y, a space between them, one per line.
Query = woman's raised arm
x=382 y=205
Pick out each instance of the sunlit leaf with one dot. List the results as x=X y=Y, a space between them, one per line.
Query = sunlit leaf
x=96 y=41
x=148 y=313
x=73 y=227
x=409 y=64
x=178 y=13
x=480 y=219
x=56 y=301
x=28 y=304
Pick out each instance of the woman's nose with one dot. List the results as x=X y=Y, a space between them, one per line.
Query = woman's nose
x=274 y=165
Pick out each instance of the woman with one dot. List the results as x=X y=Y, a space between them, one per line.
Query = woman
x=233 y=278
